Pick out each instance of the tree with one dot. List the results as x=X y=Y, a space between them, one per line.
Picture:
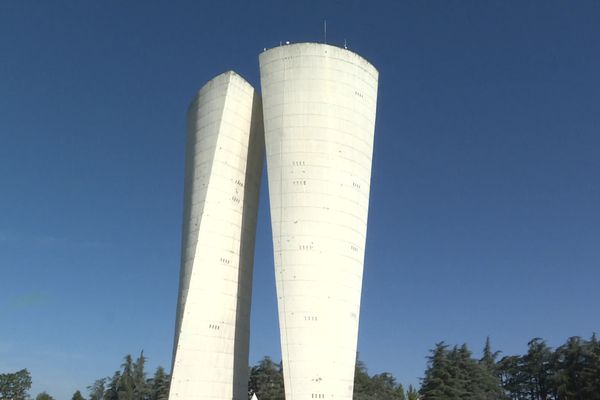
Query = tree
x=126 y=381
x=126 y=384
x=44 y=396
x=536 y=365
x=591 y=369
x=159 y=385
x=440 y=382
x=77 y=396
x=15 y=386
x=456 y=375
x=112 y=391
x=459 y=371
x=576 y=370
x=512 y=378
x=571 y=372
x=488 y=360
x=378 y=387
x=411 y=393
x=266 y=380
x=98 y=389
x=384 y=386
x=399 y=392
x=489 y=375
x=362 y=382
x=141 y=390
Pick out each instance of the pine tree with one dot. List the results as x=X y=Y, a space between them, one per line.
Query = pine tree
x=98 y=389
x=159 y=385
x=112 y=391
x=77 y=396
x=378 y=387
x=440 y=377
x=463 y=379
x=384 y=386
x=266 y=380
x=411 y=393
x=512 y=377
x=362 y=382
x=399 y=393
x=455 y=374
x=537 y=367
x=140 y=387
x=570 y=359
x=126 y=382
x=490 y=377
x=591 y=369
x=488 y=360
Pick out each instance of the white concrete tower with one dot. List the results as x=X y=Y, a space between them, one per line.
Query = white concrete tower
x=222 y=179
x=319 y=106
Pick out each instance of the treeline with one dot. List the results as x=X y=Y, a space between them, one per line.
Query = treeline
x=379 y=386
x=569 y=372
x=130 y=383
x=266 y=380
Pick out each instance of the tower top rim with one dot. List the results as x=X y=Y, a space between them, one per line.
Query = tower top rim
x=229 y=76
x=318 y=44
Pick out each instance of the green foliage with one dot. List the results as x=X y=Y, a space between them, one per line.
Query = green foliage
x=537 y=366
x=126 y=384
x=456 y=375
x=15 y=386
x=266 y=380
x=130 y=383
x=159 y=385
x=362 y=381
x=439 y=382
x=98 y=389
x=44 y=396
x=114 y=385
x=490 y=378
x=384 y=386
x=575 y=370
x=571 y=372
x=377 y=387
x=77 y=396
x=411 y=393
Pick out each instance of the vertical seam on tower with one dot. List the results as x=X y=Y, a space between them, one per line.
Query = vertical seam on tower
x=220 y=138
x=283 y=300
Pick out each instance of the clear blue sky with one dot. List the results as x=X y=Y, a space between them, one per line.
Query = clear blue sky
x=485 y=207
